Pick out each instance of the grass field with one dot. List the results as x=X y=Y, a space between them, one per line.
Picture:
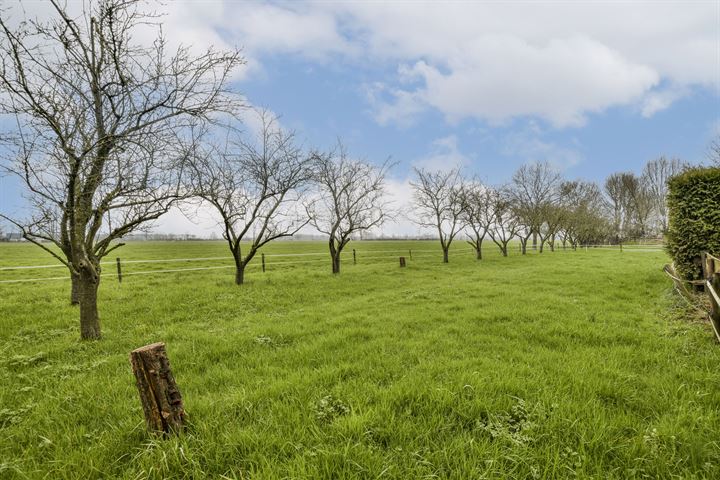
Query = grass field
x=560 y=365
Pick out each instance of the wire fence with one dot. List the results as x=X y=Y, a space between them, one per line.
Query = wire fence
x=284 y=260
x=710 y=283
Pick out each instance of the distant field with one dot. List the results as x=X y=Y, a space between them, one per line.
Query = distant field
x=560 y=365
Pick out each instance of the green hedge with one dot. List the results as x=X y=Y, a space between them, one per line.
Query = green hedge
x=694 y=222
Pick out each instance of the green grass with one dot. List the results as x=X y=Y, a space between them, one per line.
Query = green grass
x=560 y=365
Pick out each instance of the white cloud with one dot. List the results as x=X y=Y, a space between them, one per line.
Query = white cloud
x=492 y=60
x=560 y=81
x=659 y=100
x=529 y=145
x=444 y=155
x=200 y=220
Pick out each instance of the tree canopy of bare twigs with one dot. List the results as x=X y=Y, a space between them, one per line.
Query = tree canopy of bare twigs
x=631 y=205
x=505 y=222
x=477 y=213
x=438 y=197
x=714 y=151
x=255 y=186
x=534 y=192
x=350 y=198
x=655 y=176
x=101 y=136
x=584 y=220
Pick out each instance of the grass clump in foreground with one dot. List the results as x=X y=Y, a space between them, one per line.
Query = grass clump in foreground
x=557 y=365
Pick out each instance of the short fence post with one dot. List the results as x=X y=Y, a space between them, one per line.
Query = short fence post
x=410 y=252
x=354 y=258
x=262 y=256
x=119 y=270
x=159 y=395
x=713 y=289
x=402 y=262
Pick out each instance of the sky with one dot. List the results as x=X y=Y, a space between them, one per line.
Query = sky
x=592 y=87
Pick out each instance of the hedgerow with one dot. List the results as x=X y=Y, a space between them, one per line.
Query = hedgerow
x=694 y=218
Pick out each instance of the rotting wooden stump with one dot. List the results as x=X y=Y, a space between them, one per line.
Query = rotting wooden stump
x=402 y=262
x=159 y=395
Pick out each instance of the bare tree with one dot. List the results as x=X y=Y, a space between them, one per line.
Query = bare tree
x=583 y=221
x=631 y=204
x=254 y=185
x=350 y=198
x=438 y=196
x=101 y=136
x=505 y=224
x=534 y=191
x=619 y=203
x=655 y=176
x=714 y=151
x=477 y=213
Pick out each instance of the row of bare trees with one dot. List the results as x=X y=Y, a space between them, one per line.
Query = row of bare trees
x=268 y=187
x=108 y=133
x=540 y=207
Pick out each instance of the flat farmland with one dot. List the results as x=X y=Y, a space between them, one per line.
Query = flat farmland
x=556 y=365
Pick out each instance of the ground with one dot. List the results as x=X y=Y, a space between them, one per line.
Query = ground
x=554 y=365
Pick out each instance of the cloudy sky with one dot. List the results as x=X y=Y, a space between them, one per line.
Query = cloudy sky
x=594 y=87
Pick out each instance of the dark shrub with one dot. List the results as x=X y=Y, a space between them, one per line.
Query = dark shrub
x=694 y=222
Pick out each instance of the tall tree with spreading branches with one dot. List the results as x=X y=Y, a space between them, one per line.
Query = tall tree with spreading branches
x=505 y=222
x=655 y=176
x=439 y=200
x=477 y=213
x=101 y=133
x=350 y=198
x=534 y=190
x=254 y=185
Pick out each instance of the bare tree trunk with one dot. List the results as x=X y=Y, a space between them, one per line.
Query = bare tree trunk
x=335 y=255
x=239 y=274
x=74 y=289
x=239 y=268
x=504 y=250
x=88 y=283
x=478 y=251
x=445 y=255
x=542 y=245
x=534 y=237
x=552 y=243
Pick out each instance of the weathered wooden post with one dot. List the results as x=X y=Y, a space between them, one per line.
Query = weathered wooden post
x=402 y=262
x=262 y=256
x=159 y=395
x=354 y=258
x=410 y=252
x=119 y=269
x=713 y=290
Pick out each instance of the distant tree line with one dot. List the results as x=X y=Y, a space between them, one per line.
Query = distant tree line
x=540 y=209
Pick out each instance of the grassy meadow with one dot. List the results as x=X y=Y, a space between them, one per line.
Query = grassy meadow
x=555 y=365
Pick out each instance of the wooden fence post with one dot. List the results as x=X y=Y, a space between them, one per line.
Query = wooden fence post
x=119 y=270
x=354 y=258
x=159 y=395
x=402 y=262
x=410 y=252
x=262 y=256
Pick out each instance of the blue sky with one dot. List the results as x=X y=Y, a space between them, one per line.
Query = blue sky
x=593 y=87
